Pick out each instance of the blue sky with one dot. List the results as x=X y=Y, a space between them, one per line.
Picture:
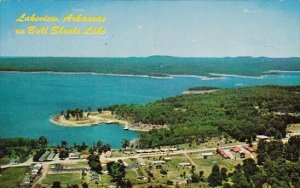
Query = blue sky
x=145 y=28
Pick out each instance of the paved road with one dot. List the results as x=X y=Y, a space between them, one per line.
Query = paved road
x=179 y=152
x=56 y=161
x=66 y=161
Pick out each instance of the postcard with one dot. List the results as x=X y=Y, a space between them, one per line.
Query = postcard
x=150 y=94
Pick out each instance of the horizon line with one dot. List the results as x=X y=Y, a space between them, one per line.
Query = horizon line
x=170 y=56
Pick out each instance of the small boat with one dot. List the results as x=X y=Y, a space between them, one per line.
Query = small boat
x=125 y=128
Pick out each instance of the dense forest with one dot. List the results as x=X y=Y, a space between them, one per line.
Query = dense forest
x=19 y=148
x=160 y=66
x=240 y=113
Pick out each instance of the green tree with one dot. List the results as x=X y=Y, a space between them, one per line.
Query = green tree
x=249 y=167
x=63 y=153
x=64 y=143
x=224 y=173
x=195 y=178
x=261 y=152
x=117 y=171
x=215 y=178
x=99 y=144
x=43 y=141
x=38 y=154
x=240 y=180
x=125 y=143
x=293 y=149
x=106 y=147
x=85 y=185
x=94 y=163
x=56 y=184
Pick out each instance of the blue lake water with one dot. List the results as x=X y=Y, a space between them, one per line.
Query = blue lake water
x=28 y=100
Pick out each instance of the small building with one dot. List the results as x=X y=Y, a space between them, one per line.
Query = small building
x=223 y=154
x=51 y=156
x=173 y=149
x=158 y=162
x=207 y=154
x=229 y=154
x=184 y=164
x=36 y=169
x=44 y=156
x=74 y=155
x=164 y=150
x=156 y=150
x=235 y=149
x=262 y=137
x=167 y=158
x=140 y=151
x=250 y=149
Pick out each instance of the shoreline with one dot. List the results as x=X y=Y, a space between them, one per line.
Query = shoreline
x=188 y=92
x=98 y=119
x=211 y=76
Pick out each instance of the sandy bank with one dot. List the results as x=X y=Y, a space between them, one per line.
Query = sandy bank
x=188 y=92
x=105 y=117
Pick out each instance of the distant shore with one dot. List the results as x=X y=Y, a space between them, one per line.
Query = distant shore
x=96 y=118
x=157 y=66
x=210 y=76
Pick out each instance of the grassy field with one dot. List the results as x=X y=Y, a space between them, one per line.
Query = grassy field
x=12 y=177
x=64 y=178
x=177 y=174
x=72 y=178
x=207 y=164
x=174 y=173
x=79 y=164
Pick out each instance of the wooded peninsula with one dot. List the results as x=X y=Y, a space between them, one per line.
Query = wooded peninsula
x=240 y=113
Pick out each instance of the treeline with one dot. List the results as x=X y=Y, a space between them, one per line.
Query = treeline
x=240 y=113
x=20 y=148
x=75 y=113
x=278 y=165
x=153 y=65
x=202 y=88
